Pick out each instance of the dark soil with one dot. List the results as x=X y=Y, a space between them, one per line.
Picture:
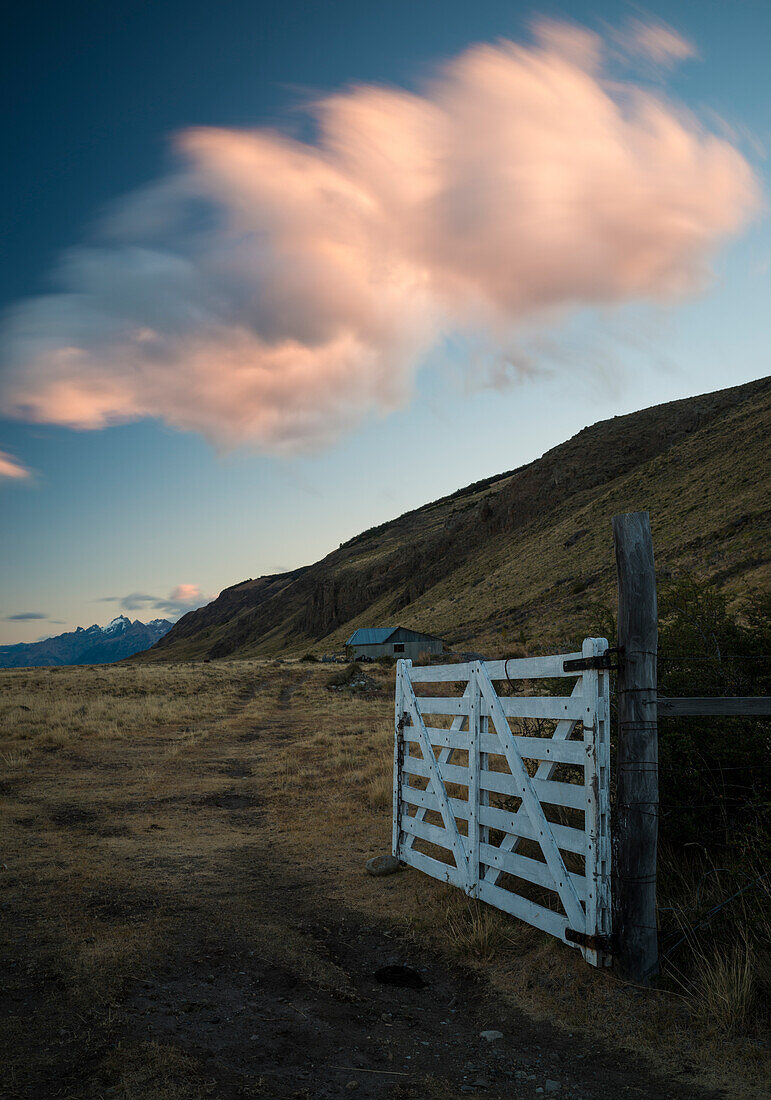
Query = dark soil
x=255 y=1028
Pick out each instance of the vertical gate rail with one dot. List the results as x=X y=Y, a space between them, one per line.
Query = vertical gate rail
x=480 y=727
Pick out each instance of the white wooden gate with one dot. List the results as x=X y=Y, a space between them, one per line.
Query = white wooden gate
x=515 y=816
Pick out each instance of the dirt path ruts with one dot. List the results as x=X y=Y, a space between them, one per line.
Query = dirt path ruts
x=259 y=1026
x=263 y=983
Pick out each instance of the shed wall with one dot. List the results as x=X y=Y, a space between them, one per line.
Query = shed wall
x=412 y=649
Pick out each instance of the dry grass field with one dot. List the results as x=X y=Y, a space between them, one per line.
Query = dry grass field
x=185 y=913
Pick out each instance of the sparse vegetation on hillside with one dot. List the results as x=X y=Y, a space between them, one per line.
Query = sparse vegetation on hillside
x=527 y=554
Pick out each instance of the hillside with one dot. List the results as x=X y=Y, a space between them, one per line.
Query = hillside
x=525 y=557
x=96 y=645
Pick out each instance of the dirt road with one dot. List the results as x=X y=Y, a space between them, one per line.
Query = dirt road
x=182 y=917
x=250 y=1027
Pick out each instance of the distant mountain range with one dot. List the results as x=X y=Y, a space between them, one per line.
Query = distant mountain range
x=525 y=557
x=95 y=646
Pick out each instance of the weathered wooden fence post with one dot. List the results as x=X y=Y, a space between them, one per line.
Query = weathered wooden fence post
x=637 y=785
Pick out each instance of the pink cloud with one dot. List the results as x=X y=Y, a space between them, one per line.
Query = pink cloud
x=184 y=598
x=12 y=469
x=518 y=182
x=187 y=593
x=654 y=41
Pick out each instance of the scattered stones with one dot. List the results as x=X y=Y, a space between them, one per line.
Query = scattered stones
x=491 y=1036
x=382 y=865
x=552 y=1086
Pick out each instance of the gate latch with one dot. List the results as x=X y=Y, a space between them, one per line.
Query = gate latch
x=603 y=661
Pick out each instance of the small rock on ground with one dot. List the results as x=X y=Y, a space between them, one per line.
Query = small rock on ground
x=491 y=1036
x=382 y=865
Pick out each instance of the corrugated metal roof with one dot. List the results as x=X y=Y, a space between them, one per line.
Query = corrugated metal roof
x=371 y=635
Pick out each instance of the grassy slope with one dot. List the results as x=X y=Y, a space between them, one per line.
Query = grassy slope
x=488 y=567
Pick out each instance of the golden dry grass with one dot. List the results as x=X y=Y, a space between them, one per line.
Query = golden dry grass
x=117 y=786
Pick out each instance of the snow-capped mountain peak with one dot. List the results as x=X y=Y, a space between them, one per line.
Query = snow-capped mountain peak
x=117 y=626
x=93 y=646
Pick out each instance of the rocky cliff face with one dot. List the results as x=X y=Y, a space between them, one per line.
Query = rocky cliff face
x=393 y=565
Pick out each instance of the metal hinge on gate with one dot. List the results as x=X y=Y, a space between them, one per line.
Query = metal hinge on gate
x=594 y=943
x=603 y=661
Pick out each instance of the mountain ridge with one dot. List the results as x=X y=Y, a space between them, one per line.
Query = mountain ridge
x=698 y=464
x=93 y=645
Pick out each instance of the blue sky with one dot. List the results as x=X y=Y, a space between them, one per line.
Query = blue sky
x=145 y=506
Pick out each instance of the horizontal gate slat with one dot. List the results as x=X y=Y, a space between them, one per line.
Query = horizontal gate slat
x=445 y=872
x=434 y=834
x=532 y=748
x=426 y=799
x=430 y=704
x=518 y=668
x=553 y=708
x=413 y=765
x=544 y=748
x=445 y=739
x=555 y=794
x=545 y=919
x=571 y=795
x=526 y=868
x=570 y=840
x=450 y=773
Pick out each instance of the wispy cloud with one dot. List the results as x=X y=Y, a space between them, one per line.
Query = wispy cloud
x=12 y=469
x=654 y=41
x=184 y=598
x=274 y=292
x=26 y=616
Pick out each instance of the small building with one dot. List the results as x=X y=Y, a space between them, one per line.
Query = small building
x=391 y=641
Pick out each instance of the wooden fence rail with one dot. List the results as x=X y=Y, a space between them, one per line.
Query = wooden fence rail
x=749 y=706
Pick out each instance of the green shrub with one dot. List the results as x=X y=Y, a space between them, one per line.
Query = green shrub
x=713 y=772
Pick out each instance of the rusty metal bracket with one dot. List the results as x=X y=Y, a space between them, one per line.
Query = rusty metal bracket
x=603 y=661
x=594 y=943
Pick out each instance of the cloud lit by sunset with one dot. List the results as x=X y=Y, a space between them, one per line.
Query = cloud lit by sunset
x=273 y=292
x=11 y=468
